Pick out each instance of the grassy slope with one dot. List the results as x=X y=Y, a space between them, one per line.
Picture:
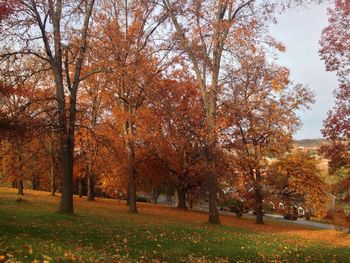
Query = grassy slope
x=103 y=231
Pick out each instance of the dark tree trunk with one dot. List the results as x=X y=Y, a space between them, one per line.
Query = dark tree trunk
x=66 y=126
x=20 y=187
x=66 y=204
x=90 y=185
x=258 y=199
x=36 y=183
x=259 y=211
x=181 y=195
x=155 y=196
x=80 y=186
x=169 y=198
x=212 y=187
x=131 y=178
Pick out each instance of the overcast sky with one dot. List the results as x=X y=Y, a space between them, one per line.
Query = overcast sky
x=300 y=30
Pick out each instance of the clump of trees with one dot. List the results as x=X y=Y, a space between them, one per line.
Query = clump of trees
x=128 y=96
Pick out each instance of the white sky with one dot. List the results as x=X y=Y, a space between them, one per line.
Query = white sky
x=300 y=30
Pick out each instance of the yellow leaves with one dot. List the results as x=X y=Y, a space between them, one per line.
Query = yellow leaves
x=276 y=85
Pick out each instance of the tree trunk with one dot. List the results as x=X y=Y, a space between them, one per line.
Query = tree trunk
x=258 y=199
x=35 y=184
x=66 y=204
x=181 y=195
x=168 y=196
x=259 y=209
x=90 y=184
x=66 y=126
x=80 y=186
x=20 y=187
x=212 y=186
x=131 y=178
x=155 y=196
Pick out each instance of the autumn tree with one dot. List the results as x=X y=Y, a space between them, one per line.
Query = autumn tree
x=6 y=8
x=175 y=135
x=50 y=31
x=295 y=179
x=259 y=117
x=207 y=33
x=91 y=108
x=126 y=48
x=335 y=52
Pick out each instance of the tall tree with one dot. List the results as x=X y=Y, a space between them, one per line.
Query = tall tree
x=50 y=34
x=206 y=31
x=176 y=136
x=260 y=110
x=335 y=51
x=126 y=49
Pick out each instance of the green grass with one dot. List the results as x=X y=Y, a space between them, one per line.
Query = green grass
x=33 y=230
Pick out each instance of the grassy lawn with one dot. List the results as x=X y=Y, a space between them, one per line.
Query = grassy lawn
x=103 y=231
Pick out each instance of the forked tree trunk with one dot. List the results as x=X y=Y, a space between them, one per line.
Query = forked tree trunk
x=181 y=196
x=66 y=126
